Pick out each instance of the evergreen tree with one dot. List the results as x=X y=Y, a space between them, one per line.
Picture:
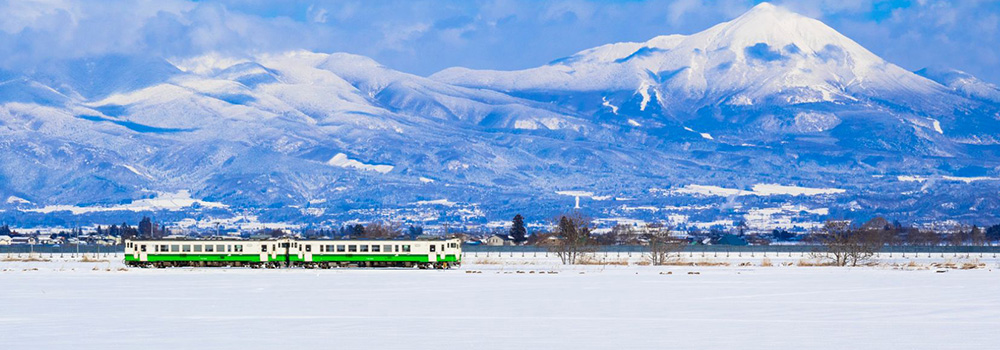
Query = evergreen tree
x=146 y=227
x=415 y=231
x=517 y=230
x=357 y=231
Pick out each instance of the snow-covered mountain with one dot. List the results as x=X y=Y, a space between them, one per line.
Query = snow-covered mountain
x=693 y=128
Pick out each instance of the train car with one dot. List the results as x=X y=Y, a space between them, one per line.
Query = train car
x=377 y=253
x=187 y=252
x=289 y=252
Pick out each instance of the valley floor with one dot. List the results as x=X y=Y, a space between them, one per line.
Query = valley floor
x=499 y=303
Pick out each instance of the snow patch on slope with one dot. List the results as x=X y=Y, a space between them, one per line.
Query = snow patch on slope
x=341 y=160
x=965 y=179
x=443 y=202
x=757 y=190
x=163 y=201
x=17 y=200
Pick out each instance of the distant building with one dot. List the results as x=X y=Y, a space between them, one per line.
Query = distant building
x=498 y=240
x=23 y=240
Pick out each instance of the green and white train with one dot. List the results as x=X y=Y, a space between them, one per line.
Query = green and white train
x=291 y=252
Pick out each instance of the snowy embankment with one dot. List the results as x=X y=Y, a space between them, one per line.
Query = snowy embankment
x=65 y=303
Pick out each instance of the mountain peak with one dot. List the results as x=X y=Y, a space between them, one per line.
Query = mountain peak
x=766 y=7
x=777 y=27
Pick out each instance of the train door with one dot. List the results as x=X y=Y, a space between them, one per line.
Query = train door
x=142 y=252
x=308 y=255
x=432 y=254
x=286 y=250
x=264 y=252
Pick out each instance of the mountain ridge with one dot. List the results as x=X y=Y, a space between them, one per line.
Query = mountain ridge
x=771 y=97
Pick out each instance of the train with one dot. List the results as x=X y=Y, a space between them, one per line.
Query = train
x=293 y=252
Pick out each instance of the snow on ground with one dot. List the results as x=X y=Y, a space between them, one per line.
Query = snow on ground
x=92 y=305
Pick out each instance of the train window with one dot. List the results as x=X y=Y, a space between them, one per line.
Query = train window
x=208 y=248
x=197 y=248
x=432 y=247
x=376 y=248
x=186 y=248
x=309 y=247
x=221 y=248
x=329 y=248
x=142 y=248
x=387 y=248
x=321 y=248
x=238 y=248
x=406 y=248
x=352 y=248
x=156 y=248
x=163 y=248
x=263 y=248
x=364 y=248
x=175 y=248
x=340 y=247
x=397 y=249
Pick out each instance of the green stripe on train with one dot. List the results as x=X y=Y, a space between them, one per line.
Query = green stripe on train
x=374 y=257
x=196 y=257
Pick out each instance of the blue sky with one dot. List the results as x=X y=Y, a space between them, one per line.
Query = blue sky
x=422 y=37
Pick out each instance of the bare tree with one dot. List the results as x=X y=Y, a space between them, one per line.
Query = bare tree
x=846 y=244
x=378 y=230
x=573 y=238
x=924 y=238
x=621 y=234
x=662 y=246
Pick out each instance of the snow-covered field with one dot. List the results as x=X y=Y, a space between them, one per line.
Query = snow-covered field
x=512 y=302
